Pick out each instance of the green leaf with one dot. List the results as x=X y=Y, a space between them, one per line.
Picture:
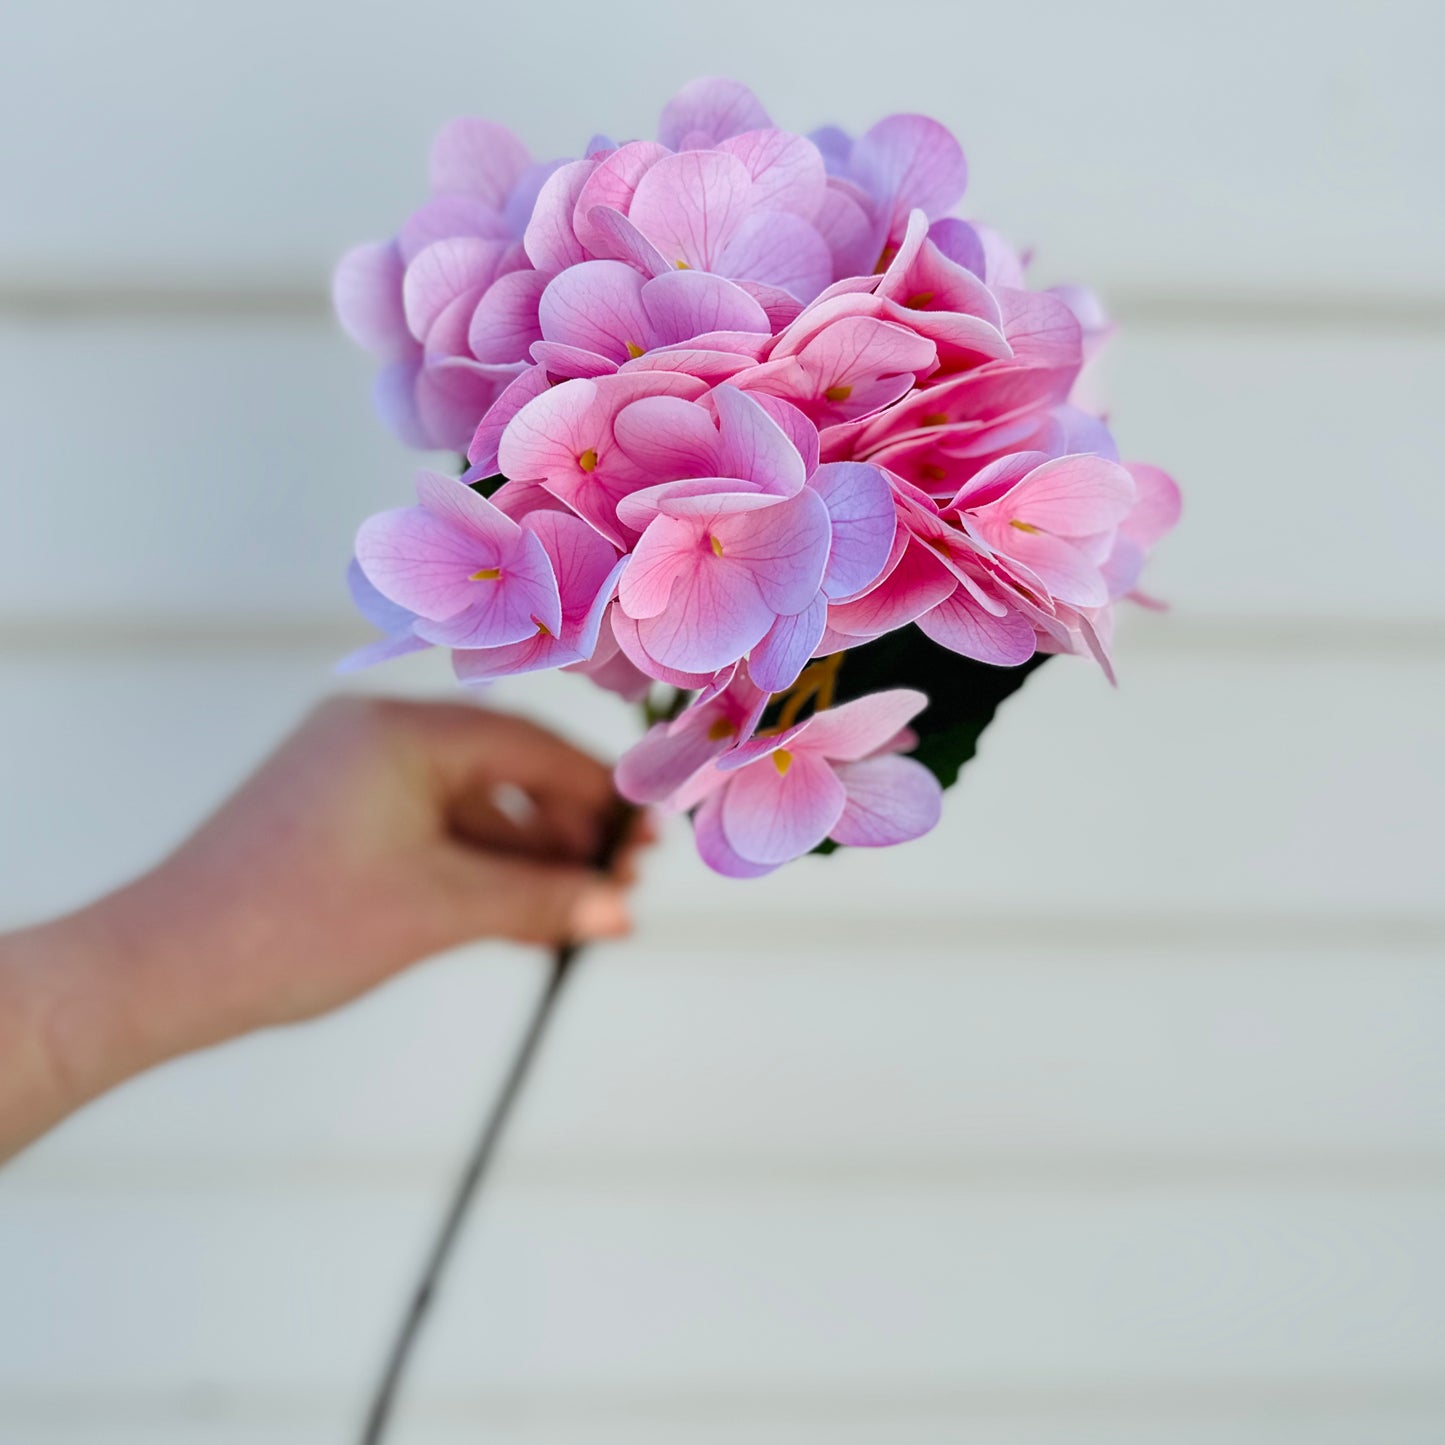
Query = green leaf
x=963 y=695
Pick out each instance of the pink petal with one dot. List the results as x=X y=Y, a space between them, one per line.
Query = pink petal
x=690 y=205
x=615 y=238
x=918 y=583
x=613 y=184
x=777 y=660
x=1074 y=496
x=445 y=271
x=961 y=625
x=785 y=547
x=448 y=215
x=482 y=452
x=862 y=514
x=717 y=617
x=581 y=561
x=778 y=249
x=504 y=324
x=550 y=239
x=478 y=157
x=781 y=806
x=1156 y=506
x=684 y=305
x=1041 y=329
x=909 y=161
x=890 y=800
x=630 y=640
x=709 y=110
x=596 y=307
x=787 y=170
x=366 y=292
x=715 y=850
x=859 y=728
x=667 y=437
x=452 y=396
x=850 y=235
x=753 y=446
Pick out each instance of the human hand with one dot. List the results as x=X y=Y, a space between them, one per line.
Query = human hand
x=379 y=833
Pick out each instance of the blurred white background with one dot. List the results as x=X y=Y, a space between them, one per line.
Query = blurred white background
x=1111 y=1114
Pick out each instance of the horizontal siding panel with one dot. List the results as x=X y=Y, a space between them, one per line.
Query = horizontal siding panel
x=731 y=1292
x=181 y=141
x=1248 y=785
x=987 y=1065
x=187 y=471
x=1224 y=1416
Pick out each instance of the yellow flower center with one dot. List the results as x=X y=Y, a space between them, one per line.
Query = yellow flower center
x=716 y=546
x=782 y=761
x=721 y=729
x=487 y=574
x=934 y=418
x=1022 y=526
x=634 y=350
x=588 y=460
x=840 y=392
x=919 y=301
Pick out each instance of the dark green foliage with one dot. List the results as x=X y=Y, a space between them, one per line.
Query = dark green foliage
x=487 y=485
x=963 y=695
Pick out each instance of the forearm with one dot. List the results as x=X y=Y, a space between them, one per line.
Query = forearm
x=84 y=1004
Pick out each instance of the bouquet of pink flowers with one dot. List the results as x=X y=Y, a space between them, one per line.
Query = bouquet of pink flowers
x=749 y=415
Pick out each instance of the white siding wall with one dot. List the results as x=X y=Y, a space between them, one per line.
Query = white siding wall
x=1112 y=1113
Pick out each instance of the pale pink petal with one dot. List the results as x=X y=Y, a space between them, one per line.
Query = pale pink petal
x=452 y=214
x=1156 y=506
x=781 y=807
x=510 y=608
x=784 y=546
x=753 y=446
x=961 y=625
x=478 y=157
x=778 y=249
x=1074 y=496
x=504 y=323
x=550 y=239
x=850 y=235
x=715 y=850
x=613 y=184
x=581 y=561
x=665 y=554
x=918 y=583
x=684 y=305
x=482 y=452
x=451 y=396
x=717 y=617
x=615 y=238
x=710 y=110
x=863 y=519
x=890 y=800
x=859 y=728
x=667 y=437
x=1042 y=330
x=795 y=426
x=777 y=660
x=630 y=640
x=570 y=362
x=366 y=292
x=596 y=307
x=781 y=306
x=690 y=205
x=907 y=161
x=445 y=271
x=787 y=170
x=709 y=366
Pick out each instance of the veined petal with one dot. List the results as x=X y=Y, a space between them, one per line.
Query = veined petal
x=889 y=800
x=596 y=306
x=709 y=110
x=478 y=157
x=858 y=728
x=863 y=516
x=776 y=810
x=713 y=846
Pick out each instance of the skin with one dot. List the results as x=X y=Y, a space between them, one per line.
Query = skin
x=379 y=833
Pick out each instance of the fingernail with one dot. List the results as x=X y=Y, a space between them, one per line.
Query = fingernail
x=599 y=913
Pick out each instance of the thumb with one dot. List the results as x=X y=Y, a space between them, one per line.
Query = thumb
x=531 y=900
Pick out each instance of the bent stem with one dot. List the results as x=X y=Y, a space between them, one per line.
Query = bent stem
x=477 y=1164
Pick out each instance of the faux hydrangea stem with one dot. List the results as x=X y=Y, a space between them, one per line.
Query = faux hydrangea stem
x=479 y=1161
